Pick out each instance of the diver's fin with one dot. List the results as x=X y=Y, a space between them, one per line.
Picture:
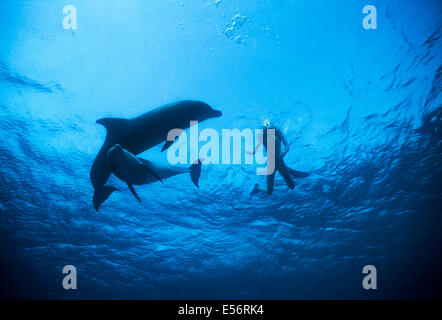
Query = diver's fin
x=195 y=172
x=131 y=188
x=167 y=145
x=298 y=174
x=111 y=124
x=100 y=195
x=255 y=189
x=147 y=165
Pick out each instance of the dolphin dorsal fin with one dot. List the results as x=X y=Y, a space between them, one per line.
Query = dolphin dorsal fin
x=111 y=124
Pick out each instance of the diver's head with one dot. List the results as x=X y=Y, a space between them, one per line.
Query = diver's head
x=266 y=123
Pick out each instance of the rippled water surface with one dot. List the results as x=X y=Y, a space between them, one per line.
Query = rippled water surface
x=362 y=109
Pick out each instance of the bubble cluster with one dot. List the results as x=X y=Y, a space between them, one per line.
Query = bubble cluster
x=233 y=29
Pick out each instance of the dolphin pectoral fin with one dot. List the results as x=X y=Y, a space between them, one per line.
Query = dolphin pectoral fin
x=101 y=194
x=132 y=189
x=147 y=166
x=167 y=145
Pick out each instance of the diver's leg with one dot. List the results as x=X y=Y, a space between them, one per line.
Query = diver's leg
x=270 y=182
x=283 y=170
x=257 y=189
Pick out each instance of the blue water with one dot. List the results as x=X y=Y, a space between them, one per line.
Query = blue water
x=362 y=108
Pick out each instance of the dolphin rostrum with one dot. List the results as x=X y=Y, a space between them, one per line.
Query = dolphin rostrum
x=138 y=134
x=137 y=171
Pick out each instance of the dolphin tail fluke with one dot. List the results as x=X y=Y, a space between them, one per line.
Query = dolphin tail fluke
x=100 y=195
x=195 y=172
x=298 y=174
x=132 y=189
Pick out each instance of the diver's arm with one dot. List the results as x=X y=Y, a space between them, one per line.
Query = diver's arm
x=280 y=136
x=284 y=142
x=287 y=149
x=257 y=146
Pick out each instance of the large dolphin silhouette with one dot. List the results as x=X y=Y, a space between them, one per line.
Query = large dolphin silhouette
x=138 y=171
x=141 y=133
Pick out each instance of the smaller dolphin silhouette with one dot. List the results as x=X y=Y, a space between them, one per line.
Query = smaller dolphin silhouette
x=137 y=171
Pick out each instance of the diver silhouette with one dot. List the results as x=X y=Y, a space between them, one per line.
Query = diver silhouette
x=287 y=173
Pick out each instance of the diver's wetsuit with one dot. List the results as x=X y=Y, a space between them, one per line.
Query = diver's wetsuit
x=279 y=161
